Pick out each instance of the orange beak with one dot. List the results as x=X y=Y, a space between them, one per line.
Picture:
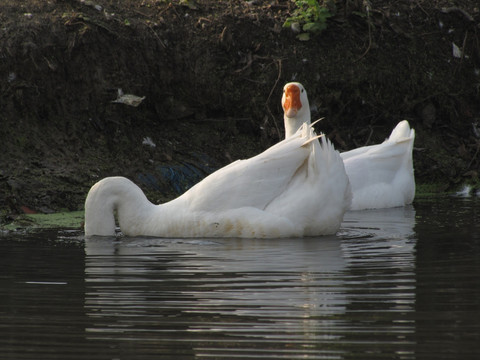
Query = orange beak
x=292 y=101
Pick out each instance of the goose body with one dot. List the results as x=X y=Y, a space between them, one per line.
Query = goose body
x=269 y=195
x=381 y=176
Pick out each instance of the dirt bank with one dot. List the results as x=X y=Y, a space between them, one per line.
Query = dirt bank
x=211 y=73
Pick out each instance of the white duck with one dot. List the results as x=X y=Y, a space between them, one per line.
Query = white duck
x=381 y=176
x=295 y=188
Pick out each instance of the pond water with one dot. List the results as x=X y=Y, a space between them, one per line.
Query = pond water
x=400 y=283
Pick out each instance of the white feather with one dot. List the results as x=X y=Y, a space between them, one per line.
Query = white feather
x=290 y=190
x=381 y=176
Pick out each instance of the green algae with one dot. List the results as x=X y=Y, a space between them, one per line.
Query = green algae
x=30 y=222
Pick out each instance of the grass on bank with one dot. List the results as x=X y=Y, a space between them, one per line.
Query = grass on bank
x=62 y=220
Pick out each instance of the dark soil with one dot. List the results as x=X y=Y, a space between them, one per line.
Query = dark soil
x=212 y=73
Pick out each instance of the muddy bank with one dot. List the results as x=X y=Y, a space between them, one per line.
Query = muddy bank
x=211 y=74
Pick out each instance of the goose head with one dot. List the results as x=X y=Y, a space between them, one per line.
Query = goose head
x=296 y=109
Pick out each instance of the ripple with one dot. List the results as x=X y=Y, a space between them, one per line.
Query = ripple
x=389 y=285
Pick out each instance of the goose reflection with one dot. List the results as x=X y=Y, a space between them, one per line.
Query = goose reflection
x=215 y=296
x=276 y=284
x=379 y=248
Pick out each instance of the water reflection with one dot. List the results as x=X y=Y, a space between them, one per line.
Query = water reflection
x=399 y=283
x=222 y=297
x=41 y=297
x=381 y=253
x=222 y=291
x=447 y=272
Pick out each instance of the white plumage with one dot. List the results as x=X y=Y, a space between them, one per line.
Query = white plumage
x=381 y=176
x=295 y=188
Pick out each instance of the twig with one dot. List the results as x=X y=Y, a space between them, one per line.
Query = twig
x=141 y=13
x=461 y=11
x=156 y=35
x=421 y=8
x=463 y=51
x=250 y=60
x=474 y=155
x=369 y=23
x=249 y=63
x=369 y=136
x=279 y=61
x=231 y=9
x=464 y=44
x=170 y=5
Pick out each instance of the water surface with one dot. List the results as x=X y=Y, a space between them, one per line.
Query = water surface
x=400 y=283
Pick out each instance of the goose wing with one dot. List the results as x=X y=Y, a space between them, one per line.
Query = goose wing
x=253 y=182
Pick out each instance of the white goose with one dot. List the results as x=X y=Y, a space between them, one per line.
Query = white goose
x=381 y=176
x=295 y=188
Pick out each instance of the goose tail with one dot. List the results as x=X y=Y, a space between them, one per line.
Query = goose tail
x=402 y=133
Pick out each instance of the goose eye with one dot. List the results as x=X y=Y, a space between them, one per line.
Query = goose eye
x=302 y=90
